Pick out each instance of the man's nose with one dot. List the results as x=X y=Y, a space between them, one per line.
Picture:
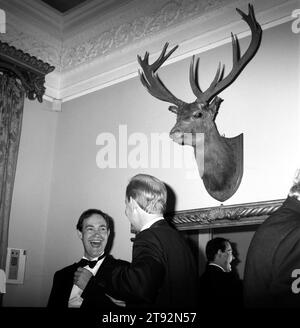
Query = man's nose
x=99 y=233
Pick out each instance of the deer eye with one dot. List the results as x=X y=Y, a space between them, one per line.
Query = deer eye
x=197 y=114
x=173 y=109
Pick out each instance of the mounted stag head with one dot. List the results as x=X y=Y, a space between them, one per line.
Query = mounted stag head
x=223 y=157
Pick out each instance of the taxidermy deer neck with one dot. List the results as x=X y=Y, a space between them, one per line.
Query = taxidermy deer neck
x=223 y=157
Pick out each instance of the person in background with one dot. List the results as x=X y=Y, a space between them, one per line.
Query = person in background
x=273 y=260
x=218 y=286
x=72 y=285
x=162 y=273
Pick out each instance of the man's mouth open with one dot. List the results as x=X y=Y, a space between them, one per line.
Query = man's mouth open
x=95 y=244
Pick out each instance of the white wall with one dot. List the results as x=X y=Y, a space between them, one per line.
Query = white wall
x=262 y=104
x=30 y=202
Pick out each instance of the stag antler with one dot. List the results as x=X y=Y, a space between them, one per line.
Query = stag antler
x=239 y=63
x=152 y=82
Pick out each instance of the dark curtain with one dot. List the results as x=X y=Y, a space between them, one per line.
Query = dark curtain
x=11 y=113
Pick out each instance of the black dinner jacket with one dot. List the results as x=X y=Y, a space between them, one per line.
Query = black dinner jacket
x=272 y=258
x=162 y=273
x=219 y=289
x=63 y=284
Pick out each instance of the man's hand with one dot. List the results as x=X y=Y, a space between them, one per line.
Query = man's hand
x=82 y=277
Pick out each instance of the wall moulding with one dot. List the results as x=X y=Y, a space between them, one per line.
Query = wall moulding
x=95 y=47
x=193 y=36
x=224 y=216
x=28 y=69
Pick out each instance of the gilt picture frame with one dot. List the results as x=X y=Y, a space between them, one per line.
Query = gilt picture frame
x=223 y=215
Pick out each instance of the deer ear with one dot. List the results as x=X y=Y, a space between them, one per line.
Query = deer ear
x=214 y=106
x=217 y=102
x=173 y=109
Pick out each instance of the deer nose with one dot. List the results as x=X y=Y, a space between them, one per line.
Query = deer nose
x=175 y=132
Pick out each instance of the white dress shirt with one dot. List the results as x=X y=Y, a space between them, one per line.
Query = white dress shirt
x=149 y=224
x=2 y=282
x=75 y=299
x=217 y=266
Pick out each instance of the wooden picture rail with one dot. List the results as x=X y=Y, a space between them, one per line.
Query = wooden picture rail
x=224 y=216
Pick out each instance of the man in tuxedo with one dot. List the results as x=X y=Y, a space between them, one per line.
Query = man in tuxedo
x=72 y=285
x=272 y=268
x=162 y=273
x=219 y=286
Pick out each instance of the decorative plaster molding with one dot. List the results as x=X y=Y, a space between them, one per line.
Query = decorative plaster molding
x=91 y=51
x=222 y=216
x=215 y=30
x=32 y=41
x=36 y=13
x=124 y=29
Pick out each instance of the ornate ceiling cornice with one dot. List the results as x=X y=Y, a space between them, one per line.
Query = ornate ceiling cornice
x=96 y=45
x=38 y=43
x=130 y=27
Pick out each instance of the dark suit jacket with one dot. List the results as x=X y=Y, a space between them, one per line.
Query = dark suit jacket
x=273 y=255
x=162 y=273
x=63 y=284
x=219 y=289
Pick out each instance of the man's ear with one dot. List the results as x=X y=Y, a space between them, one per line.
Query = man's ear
x=133 y=203
x=79 y=233
x=219 y=253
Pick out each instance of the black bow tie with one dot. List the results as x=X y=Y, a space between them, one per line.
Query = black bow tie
x=91 y=264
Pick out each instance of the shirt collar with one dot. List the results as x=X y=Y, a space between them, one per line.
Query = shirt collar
x=217 y=266
x=93 y=259
x=149 y=224
x=96 y=267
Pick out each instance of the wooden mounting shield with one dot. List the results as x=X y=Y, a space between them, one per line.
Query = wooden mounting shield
x=233 y=183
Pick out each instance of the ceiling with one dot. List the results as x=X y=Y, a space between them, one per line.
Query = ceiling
x=94 y=43
x=63 y=5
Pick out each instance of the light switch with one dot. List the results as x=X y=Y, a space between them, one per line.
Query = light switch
x=15 y=265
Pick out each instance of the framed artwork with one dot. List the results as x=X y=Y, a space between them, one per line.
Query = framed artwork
x=224 y=215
